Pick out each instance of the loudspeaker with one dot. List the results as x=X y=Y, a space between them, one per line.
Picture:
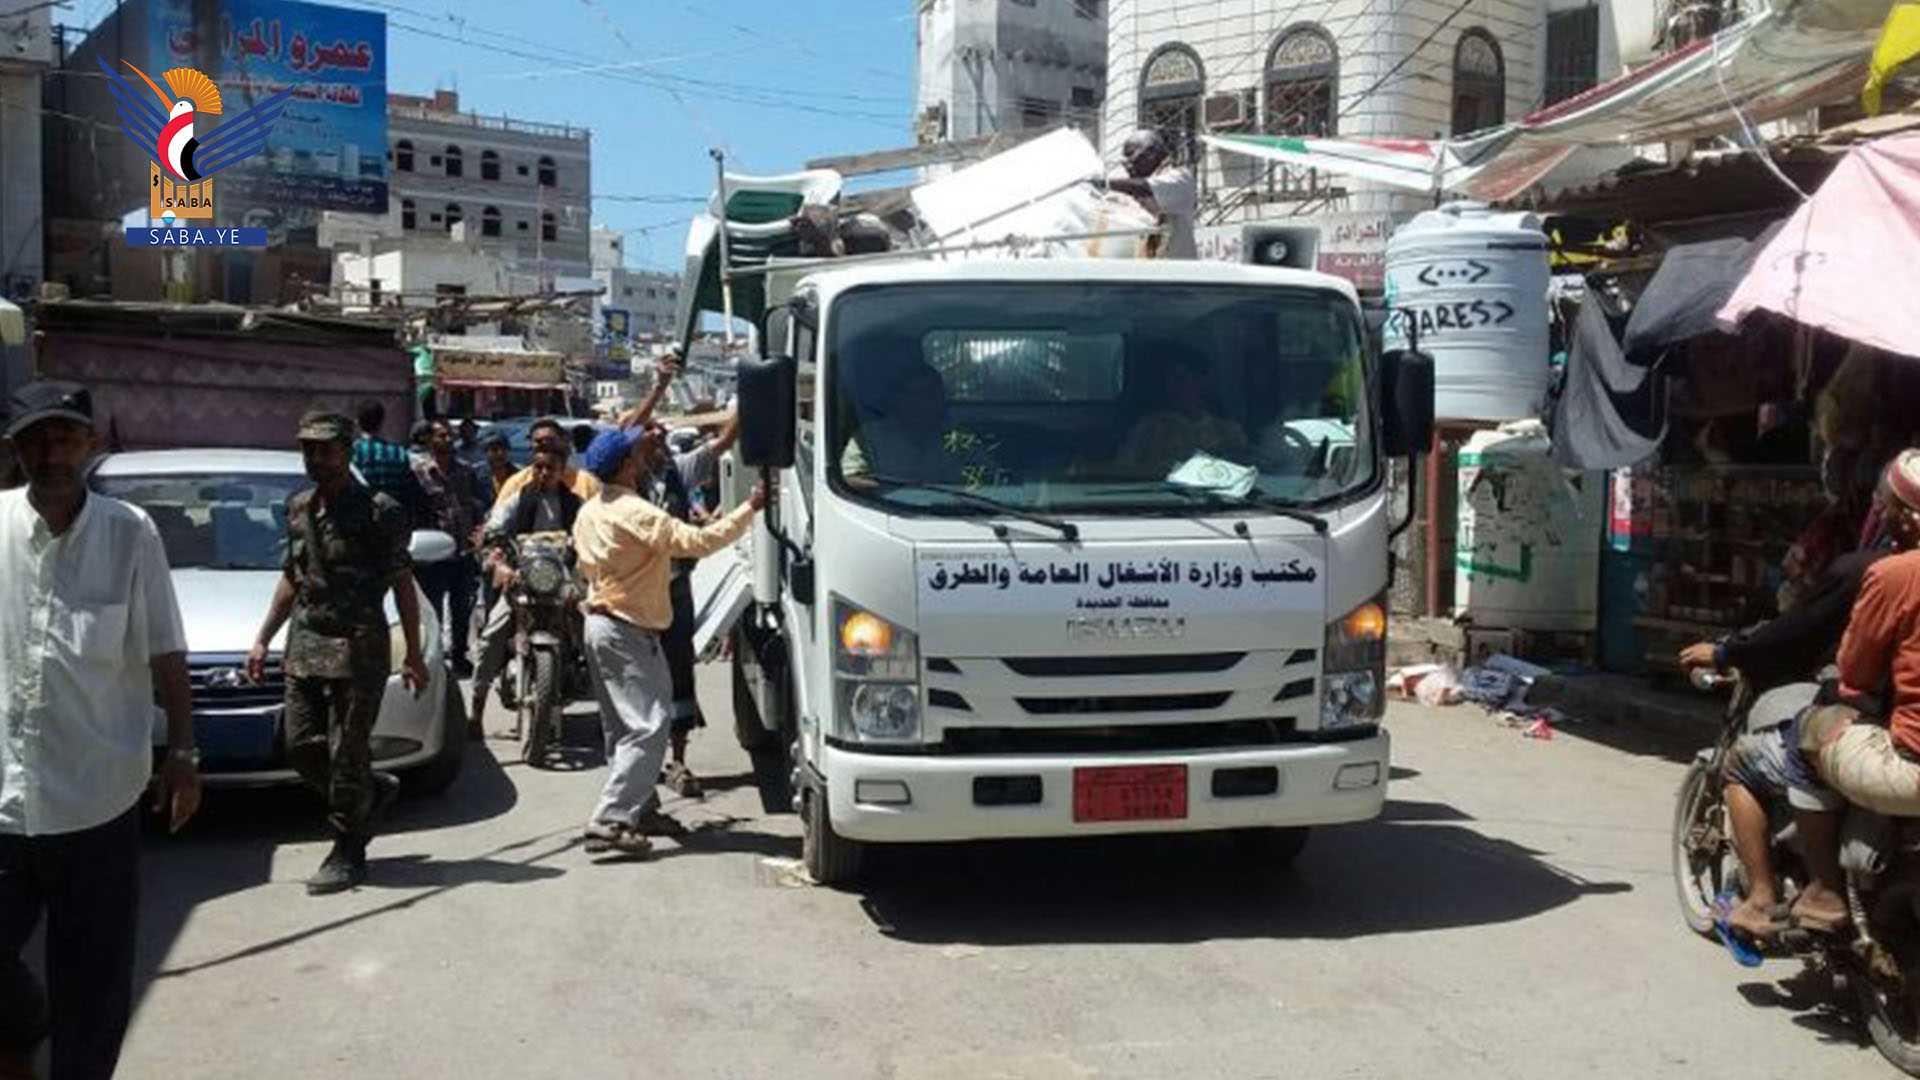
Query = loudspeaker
x=1295 y=246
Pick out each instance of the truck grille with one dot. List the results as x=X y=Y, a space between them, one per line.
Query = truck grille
x=1053 y=667
x=1148 y=738
x=1123 y=703
x=219 y=683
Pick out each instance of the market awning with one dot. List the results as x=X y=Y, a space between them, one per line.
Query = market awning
x=1844 y=261
x=1780 y=60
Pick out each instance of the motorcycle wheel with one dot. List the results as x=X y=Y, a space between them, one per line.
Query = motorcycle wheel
x=543 y=703
x=1699 y=876
x=1893 y=1020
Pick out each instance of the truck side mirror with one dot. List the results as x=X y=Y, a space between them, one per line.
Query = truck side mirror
x=1406 y=402
x=766 y=391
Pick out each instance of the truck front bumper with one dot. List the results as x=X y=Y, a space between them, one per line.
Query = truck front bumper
x=1321 y=783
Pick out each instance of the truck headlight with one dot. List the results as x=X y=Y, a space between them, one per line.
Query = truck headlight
x=876 y=668
x=1354 y=673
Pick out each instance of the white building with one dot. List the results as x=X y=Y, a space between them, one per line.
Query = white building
x=521 y=188
x=649 y=298
x=26 y=52
x=1350 y=68
x=992 y=66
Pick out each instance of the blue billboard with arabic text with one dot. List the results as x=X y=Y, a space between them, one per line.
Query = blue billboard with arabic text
x=328 y=149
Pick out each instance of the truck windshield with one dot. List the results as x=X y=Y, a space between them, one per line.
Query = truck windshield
x=1096 y=396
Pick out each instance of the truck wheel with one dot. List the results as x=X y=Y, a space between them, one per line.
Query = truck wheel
x=832 y=859
x=1271 y=849
x=748 y=728
x=438 y=775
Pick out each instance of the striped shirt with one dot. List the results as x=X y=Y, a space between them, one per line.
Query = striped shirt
x=386 y=467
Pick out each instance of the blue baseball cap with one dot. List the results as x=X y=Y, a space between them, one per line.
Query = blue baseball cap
x=609 y=451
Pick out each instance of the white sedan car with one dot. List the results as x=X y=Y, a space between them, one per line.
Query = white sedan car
x=222 y=517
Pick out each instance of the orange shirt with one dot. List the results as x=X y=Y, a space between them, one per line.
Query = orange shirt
x=626 y=547
x=1882 y=643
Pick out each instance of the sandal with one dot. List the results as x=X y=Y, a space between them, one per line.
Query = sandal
x=682 y=781
x=603 y=837
x=1743 y=951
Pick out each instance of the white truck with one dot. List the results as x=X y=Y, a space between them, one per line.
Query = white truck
x=1062 y=547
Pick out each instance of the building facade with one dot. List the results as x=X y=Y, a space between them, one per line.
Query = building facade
x=522 y=188
x=26 y=53
x=987 y=67
x=649 y=299
x=1340 y=68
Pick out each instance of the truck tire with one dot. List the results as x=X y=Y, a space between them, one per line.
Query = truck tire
x=1271 y=849
x=437 y=776
x=831 y=859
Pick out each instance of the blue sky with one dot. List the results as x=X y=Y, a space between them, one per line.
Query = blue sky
x=774 y=82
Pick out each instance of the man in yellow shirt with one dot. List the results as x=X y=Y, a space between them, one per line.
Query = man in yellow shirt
x=626 y=546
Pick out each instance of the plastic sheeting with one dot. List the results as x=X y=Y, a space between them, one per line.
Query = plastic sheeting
x=1687 y=292
x=1844 y=261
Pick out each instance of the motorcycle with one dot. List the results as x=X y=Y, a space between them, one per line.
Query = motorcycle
x=547 y=648
x=1875 y=962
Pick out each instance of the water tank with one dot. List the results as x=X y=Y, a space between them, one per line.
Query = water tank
x=1527 y=547
x=1473 y=284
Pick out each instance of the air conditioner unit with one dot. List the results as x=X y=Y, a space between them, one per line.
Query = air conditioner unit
x=1229 y=110
x=1295 y=246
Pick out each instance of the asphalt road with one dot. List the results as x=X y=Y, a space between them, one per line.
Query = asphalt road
x=1510 y=915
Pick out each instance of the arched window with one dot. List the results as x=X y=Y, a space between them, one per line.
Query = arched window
x=1303 y=83
x=490 y=221
x=408 y=219
x=455 y=165
x=489 y=165
x=549 y=229
x=454 y=215
x=1171 y=86
x=549 y=175
x=403 y=155
x=1479 y=83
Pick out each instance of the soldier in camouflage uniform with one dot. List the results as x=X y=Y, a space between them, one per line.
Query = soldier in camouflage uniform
x=346 y=547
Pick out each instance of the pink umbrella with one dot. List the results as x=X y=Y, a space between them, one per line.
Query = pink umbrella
x=1848 y=261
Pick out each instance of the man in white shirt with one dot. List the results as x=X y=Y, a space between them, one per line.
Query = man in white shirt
x=89 y=629
x=1163 y=188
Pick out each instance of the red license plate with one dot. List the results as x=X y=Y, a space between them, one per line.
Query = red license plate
x=1130 y=793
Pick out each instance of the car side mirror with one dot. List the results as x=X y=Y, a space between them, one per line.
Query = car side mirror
x=766 y=393
x=430 y=546
x=1406 y=402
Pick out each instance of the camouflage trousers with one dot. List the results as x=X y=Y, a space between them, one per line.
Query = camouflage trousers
x=330 y=733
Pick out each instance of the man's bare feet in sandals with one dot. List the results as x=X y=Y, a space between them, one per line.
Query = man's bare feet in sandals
x=1820 y=910
x=1756 y=921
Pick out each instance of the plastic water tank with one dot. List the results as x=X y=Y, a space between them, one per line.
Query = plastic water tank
x=1527 y=546
x=1472 y=284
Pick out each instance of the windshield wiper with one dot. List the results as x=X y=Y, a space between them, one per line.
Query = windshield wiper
x=1067 y=529
x=1252 y=498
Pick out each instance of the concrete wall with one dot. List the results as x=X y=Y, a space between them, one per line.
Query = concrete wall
x=26 y=51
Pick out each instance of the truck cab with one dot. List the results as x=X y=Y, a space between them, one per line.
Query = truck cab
x=1068 y=547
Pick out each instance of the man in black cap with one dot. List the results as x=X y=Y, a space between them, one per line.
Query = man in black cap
x=346 y=547
x=89 y=630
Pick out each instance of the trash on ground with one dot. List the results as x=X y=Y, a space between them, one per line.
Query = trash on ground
x=1428 y=684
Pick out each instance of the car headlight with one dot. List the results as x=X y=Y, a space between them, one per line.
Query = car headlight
x=1354 y=673
x=876 y=668
x=543 y=575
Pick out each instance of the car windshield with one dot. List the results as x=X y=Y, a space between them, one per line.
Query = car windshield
x=222 y=521
x=1097 y=396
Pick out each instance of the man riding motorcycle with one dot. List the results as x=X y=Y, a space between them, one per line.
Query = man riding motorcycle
x=1875 y=766
x=545 y=504
x=1775 y=656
